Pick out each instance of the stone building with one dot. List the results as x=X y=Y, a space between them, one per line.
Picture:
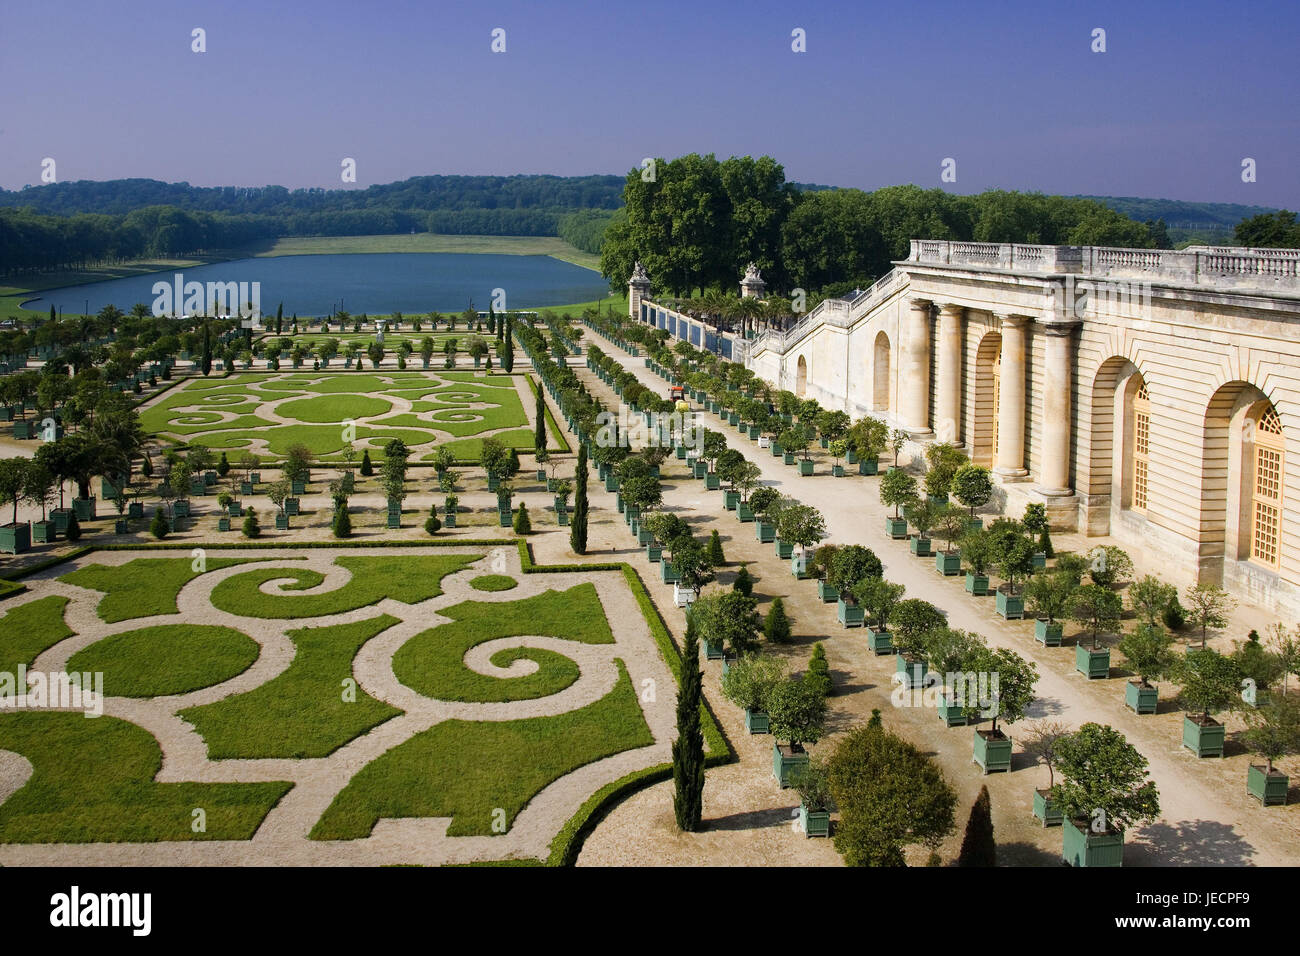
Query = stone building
x=1152 y=395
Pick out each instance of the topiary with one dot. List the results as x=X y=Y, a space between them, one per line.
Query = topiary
x=1173 y=616
x=818 y=673
x=776 y=626
x=223 y=466
x=367 y=469
x=342 y=523
x=522 y=524
x=716 y=557
x=432 y=525
x=744 y=582
x=73 y=531
x=251 y=528
x=158 y=527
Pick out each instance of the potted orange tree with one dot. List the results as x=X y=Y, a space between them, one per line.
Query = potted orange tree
x=877 y=598
x=1049 y=596
x=1210 y=683
x=1104 y=791
x=1274 y=733
x=1148 y=651
x=1012 y=694
x=897 y=488
x=796 y=711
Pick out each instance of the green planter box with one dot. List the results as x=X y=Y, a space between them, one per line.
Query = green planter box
x=493 y=481
x=223 y=523
x=1141 y=698
x=60 y=518
x=701 y=468
x=776 y=450
x=1011 y=606
x=913 y=672
x=896 y=528
x=1040 y=560
x=393 y=520
x=255 y=477
x=181 y=509
x=712 y=482
x=235 y=510
x=654 y=553
x=850 y=456
x=712 y=650
x=449 y=520
x=756 y=722
x=827 y=593
x=198 y=488
x=16 y=538
x=744 y=512
x=949 y=712
x=733 y=419
x=992 y=753
x=292 y=506
x=505 y=518
x=668 y=573
x=1092 y=663
x=755 y=432
x=1083 y=847
x=869 y=466
x=44 y=532
x=22 y=429
x=764 y=532
x=281 y=522
x=880 y=641
x=850 y=615
x=561 y=504
x=920 y=546
x=1045 y=809
x=786 y=764
x=947 y=563
x=561 y=516
x=788 y=458
x=85 y=508
x=1270 y=789
x=806 y=466
x=977 y=584
x=612 y=484
x=783 y=550
x=730 y=499
x=837 y=471
x=814 y=823
x=121 y=526
x=681 y=452
x=799 y=566
x=1204 y=740
x=1049 y=635
x=645 y=538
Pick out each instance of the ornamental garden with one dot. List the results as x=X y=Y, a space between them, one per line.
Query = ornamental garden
x=423 y=612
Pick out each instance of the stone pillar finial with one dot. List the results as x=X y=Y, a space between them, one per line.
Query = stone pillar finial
x=752 y=285
x=638 y=289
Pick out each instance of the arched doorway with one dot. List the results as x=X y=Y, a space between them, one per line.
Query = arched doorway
x=1118 y=475
x=1242 y=517
x=983 y=424
x=801 y=378
x=880 y=373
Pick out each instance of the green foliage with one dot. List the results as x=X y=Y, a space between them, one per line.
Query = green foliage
x=897 y=488
x=818 y=674
x=978 y=847
x=1148 y=651
x=523 y=525
x=1049 y=594
x=800 y=524
x=1149 y=596
x=728 y=618
x=812 y=783
x=251 y=528
x=776 y=626
x=341 y=524
x=688 y=748
x=1104 y=779
x=878 y=598
x=910 y=620
x=796 y=710
x=73 y=530
x=850 y=564
x=166 y=659
x=716 y=558
x=1208 y=606
x=367 y=468
x=160 y=526
x=1016 y=678
x=578 y=523
x=1108 y=565
x=1210 y=681
x=1274 y=730
x=744 y=582
x=1097 y=609
x=972 y=486
x=889 y=795
x=749 y=681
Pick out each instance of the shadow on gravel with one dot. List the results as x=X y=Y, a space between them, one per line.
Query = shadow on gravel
x=1191 y=843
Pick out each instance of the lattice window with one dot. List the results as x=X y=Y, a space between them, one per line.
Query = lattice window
x=1266 y=513
x=1141 y=447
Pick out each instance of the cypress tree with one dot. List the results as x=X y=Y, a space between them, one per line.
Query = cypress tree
x=508 y=355
x=688 y=748
x=977 y=846
x=342 y=524
x=206 y=363
x=776 y=628
x=158 y=527
x=578 y=523
x=367 y=469
x=539 y=430
x=522 y=523
x=818 y=673
x=492 y=320
x=744 y=582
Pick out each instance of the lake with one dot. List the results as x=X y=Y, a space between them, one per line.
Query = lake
x=364 y=282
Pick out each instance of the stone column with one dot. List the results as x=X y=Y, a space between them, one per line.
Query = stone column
x=1058 y=410
x=915 y=385
x=952 y=341
x=638 y=289
x=1010 y=461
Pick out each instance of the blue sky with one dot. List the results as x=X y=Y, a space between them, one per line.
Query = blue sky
x=884 y=93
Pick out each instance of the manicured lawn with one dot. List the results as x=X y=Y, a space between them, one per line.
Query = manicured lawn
x=305 y=711
x=167 y=659
x=432 y=663
x=141 y=587
x=29 y=629
x=93 y=782
x=468 y=769
x=493 y=582
x=333 y=409
x=406 y=578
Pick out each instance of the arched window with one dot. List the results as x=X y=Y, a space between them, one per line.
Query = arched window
x=1266 y=506
x=1141 y=446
